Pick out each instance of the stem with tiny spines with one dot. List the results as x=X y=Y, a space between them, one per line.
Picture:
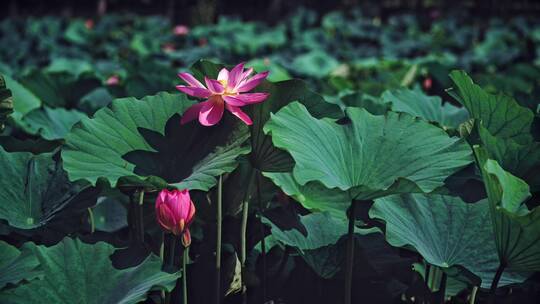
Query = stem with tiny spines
x=218 y=239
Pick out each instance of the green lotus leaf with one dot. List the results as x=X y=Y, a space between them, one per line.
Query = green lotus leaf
x=446 y=231
x=318 y=243
x=34 y=189
x=59 y=89
x=500 y=114
x=369 y=157
x=24 y=101
x=522 y=160
x=16 y=265
x=517 y=229
x=431 y=108
x=51 y=124
x=80 y=272
x=313 y=195
x=6 y=102
x=142 y=142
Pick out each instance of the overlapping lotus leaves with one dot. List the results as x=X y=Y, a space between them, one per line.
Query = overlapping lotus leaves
x=80 y=272
x=446 y=231
x=369 y=157
x=517 y=229
x=142 y=142
x=34 y=189
x=431 y=108
x=16 y=265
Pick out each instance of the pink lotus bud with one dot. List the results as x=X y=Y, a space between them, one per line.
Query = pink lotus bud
x=89 y=24
x=168 y=47
x=175 y=212
x=203 y=41
x=181 y=30
x=428 y=83
x=113 y=80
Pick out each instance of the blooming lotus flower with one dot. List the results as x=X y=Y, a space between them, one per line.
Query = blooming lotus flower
x=229 y=92
x=175 y=212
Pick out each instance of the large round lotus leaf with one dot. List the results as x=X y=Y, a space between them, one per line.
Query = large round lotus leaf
x=143 y=139
x=76 y=272
x=445 y=230
x=370 y=156
x=34 y=189
x=16 y=265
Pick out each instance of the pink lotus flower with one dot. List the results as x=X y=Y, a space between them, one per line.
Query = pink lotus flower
x=175 y=212
x=89 y=24
x=228 y=91
x=181 y=30
x=113 y=80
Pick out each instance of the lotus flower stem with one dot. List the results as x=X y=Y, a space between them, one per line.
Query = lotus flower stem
x=170 y=263
x=245 y=210
x=473 y=295
x=218 y=239
x=442 y=287
x=91 y=219
x=162 y=257
x=495 y=282
x=263 y=242
x=140 y=221
x=243 y=231
x=184 y=275
x=172 y=245
x=350 y=254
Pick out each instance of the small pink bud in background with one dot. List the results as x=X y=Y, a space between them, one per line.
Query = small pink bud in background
x=427 y=84
x=203 y=41
x=175 y=211
x=113 y=80
x=181 y=30
x=168 y=47
x=89 y=24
